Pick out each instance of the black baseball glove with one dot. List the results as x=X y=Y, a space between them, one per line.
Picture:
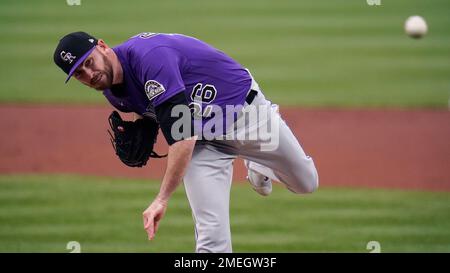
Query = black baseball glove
x=133 y=141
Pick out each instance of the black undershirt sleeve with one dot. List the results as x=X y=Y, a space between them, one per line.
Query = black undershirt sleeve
x=163 y=114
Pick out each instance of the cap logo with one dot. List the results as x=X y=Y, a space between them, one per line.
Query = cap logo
x=67 y=56
x=91 y=40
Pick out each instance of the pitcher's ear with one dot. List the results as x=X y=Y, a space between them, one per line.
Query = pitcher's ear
x=102 y=44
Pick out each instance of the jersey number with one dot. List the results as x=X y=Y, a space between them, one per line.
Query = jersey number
x=202 y=94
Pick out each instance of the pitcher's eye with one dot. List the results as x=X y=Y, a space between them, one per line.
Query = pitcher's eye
x=88 y=62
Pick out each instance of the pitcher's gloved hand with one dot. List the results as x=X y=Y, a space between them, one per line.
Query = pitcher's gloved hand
x=133 y=141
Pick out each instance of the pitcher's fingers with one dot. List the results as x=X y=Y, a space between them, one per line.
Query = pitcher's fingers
x=144 y=218
x=150 y=229
x=149 y=235
x=156 y=225
x=148 y=221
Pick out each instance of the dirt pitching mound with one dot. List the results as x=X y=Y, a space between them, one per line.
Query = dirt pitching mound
x=368 y=148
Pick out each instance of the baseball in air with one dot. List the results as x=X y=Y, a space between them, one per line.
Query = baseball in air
x=416 y=27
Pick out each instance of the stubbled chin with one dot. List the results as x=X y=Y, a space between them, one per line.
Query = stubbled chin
x=102 y=85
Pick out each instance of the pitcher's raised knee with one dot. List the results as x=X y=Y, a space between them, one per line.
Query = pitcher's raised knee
x=306 y=180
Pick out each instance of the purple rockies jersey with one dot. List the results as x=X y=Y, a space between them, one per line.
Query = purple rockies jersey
x=159 y=66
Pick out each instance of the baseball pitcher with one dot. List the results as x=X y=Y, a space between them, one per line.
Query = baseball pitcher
x=210 y=110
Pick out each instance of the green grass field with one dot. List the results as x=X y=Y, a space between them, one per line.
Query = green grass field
x=339 y=53
x=332 y=53
x=44 y=213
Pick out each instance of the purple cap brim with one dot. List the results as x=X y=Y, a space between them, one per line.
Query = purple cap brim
x=80 y=61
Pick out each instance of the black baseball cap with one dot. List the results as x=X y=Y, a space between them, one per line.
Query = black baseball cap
x=72 y=50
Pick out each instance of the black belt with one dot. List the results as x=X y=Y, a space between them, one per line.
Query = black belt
x=251 y=96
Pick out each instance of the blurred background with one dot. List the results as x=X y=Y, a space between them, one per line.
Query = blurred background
x=367 y=102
